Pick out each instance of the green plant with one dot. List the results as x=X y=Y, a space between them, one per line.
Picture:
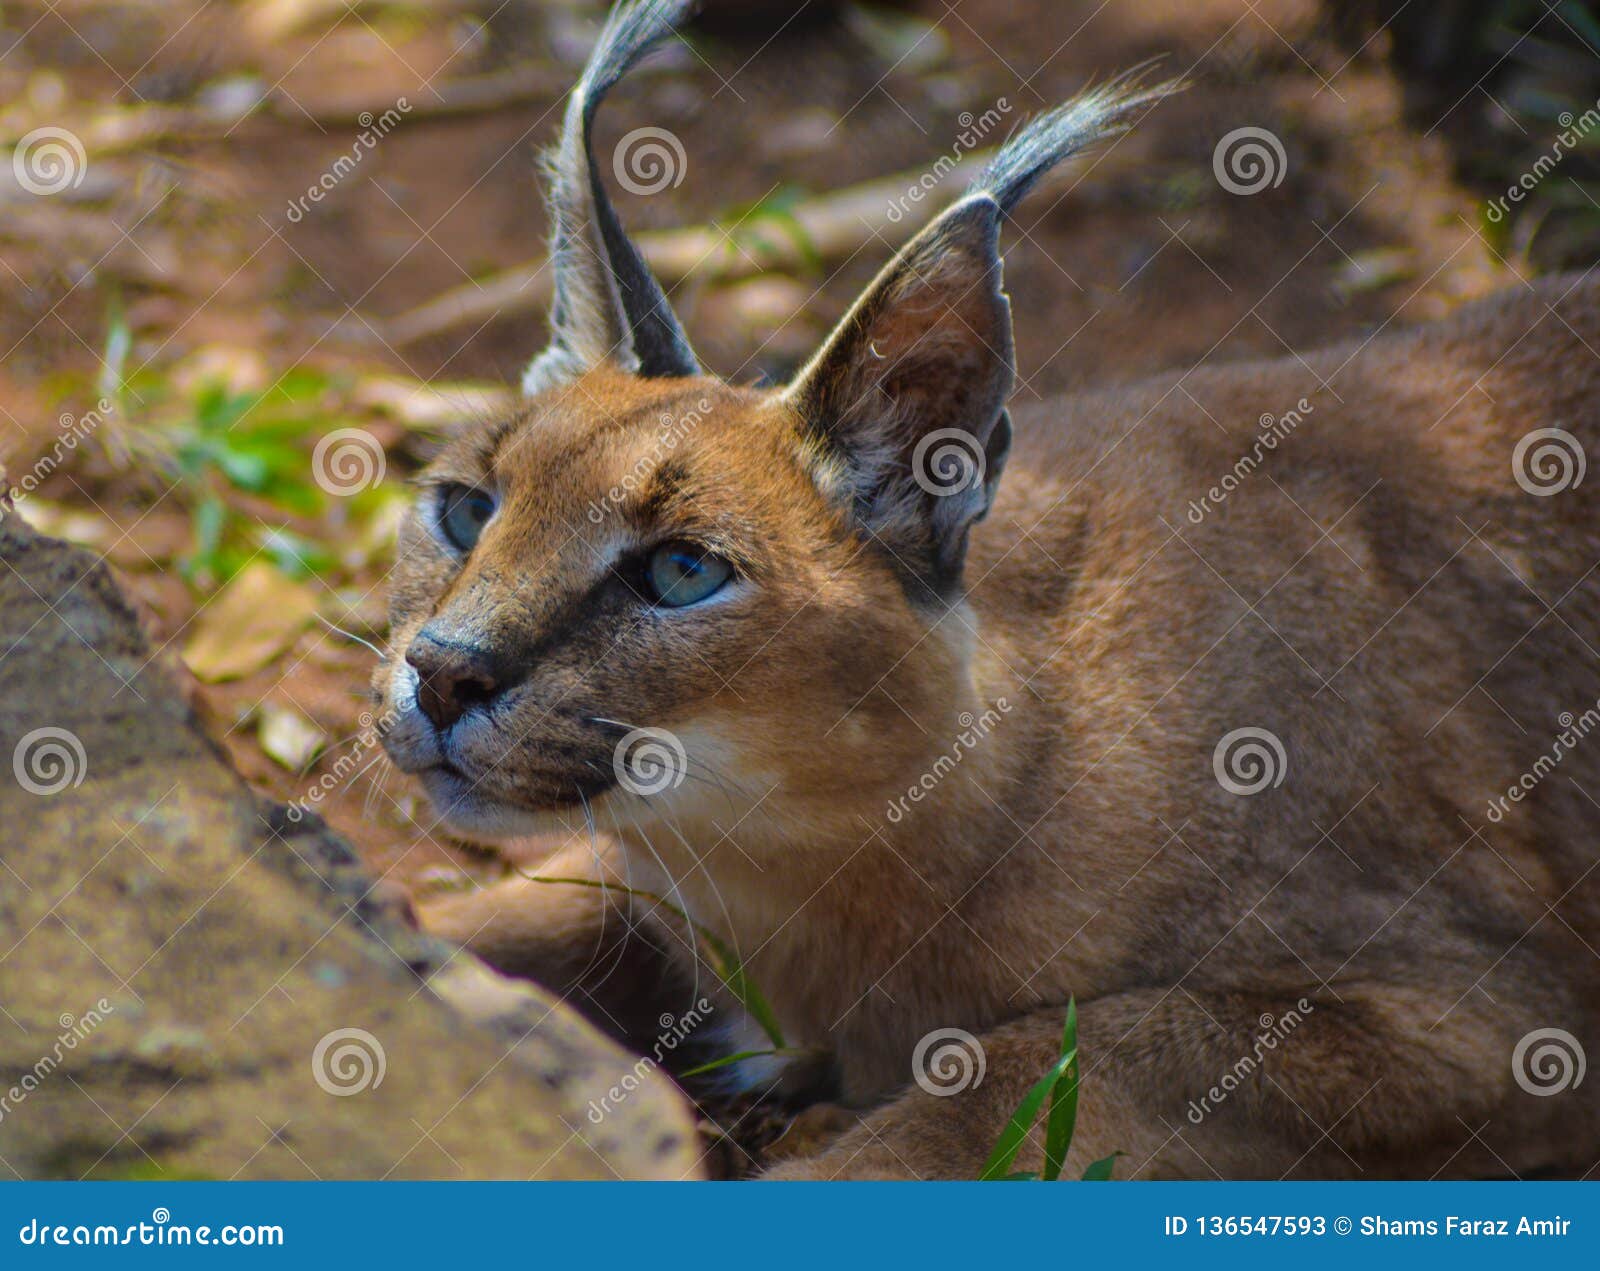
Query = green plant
x=1060 y=1086
x=240 y=462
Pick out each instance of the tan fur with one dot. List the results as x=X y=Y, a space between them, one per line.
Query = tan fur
x=1381 y=595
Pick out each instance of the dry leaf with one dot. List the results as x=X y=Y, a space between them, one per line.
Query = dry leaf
x=248 y=623
x=288 y=737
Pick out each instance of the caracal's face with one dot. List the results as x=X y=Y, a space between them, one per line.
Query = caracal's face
x=632 y=596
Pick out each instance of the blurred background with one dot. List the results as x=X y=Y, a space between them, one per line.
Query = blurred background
x=256 y=254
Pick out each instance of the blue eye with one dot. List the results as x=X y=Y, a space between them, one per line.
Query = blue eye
x=681 y=574
x=463 y=512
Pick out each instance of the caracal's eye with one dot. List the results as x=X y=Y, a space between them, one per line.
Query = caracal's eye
x=682 y=574
x=463 y=512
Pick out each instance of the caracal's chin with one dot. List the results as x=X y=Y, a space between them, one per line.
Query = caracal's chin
x=469 y=811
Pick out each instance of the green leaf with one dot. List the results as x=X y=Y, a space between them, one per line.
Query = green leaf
x=1100 y=1171
x=301 y=385
x=1016 y=1132
x=732 y=973
x=119 y=339
x=726 y=1060
x=1063 y=1101
x=247 y=471
x=727 y=966
x=210 y=516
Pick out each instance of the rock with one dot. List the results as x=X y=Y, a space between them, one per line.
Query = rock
x=194 y=983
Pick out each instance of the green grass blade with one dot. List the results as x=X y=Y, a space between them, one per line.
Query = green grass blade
x=1100 y=1171
x=732 y=973
x=731 y=1059
x=1016 y=1132
x=727 y=966
x=1063 y=1101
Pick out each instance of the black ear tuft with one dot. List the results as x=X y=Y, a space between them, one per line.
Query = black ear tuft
x=906 y=399
x=607 y=303
x=1048 y=139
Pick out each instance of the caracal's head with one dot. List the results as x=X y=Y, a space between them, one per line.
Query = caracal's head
x=659 y=596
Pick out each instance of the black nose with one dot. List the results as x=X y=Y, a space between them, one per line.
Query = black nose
x=452 y=678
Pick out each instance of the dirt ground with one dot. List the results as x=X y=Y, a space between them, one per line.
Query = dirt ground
x=182 y=258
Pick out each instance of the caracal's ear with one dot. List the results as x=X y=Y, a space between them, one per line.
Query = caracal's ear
x=906 y=399
x=607 y=304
